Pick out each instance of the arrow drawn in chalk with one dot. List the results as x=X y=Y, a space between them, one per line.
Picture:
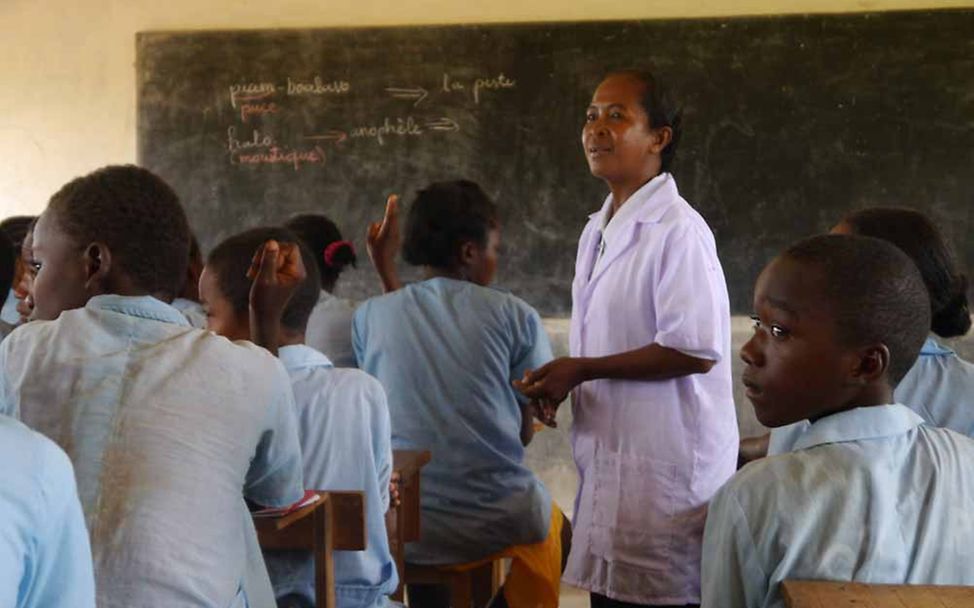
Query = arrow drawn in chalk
x=418 y=93
x=442 y=124
x=330 y=135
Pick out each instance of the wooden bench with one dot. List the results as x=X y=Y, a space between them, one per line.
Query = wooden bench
x=825 y=594
x=403 y=522
x=470 y=587
x=335 y=521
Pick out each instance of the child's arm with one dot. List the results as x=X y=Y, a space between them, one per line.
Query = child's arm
x=276 y=271
x=382 y=240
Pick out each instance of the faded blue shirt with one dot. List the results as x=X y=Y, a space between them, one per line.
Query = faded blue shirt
x=870 y=495
x=343 y=422
x=168 y=428
x=45 y=560
x=446 y=352
x=939 y=387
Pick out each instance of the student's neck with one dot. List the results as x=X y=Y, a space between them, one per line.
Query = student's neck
x=870 y=396
x=623 y=191
x=432 y=272
x=290 y=337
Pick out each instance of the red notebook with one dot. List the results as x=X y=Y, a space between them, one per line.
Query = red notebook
x=310 y=497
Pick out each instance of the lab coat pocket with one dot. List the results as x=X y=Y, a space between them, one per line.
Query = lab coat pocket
x=633 y=510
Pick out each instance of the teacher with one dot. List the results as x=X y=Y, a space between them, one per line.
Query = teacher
x=655 y=431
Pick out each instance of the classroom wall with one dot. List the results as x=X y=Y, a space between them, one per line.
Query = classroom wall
x=67 y=82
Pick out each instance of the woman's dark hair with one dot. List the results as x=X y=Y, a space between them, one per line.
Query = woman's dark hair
x=137 y=215
x=16 y=228
x=331 y=253
x=230 y=260
x=659 y=107
x=920 y=239
x=442 y=217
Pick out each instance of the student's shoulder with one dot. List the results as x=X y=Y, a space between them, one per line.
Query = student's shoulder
x=34 y=452
x=759 y=484
x=240 y=356
x=352 y=379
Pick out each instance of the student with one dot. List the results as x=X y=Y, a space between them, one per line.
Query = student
x=330 y=326
x=22 y=289
x=8 y=269
x=446 y=350
x=188 y=300
x=940 y=385
x=16 y=228
x=168 y=427
x=655 y=430
x=871 y=493
x=343 y=419
x=45 y=560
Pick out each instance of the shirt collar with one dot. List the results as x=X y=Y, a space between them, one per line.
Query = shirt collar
x=934 y=348
x=860 y=423
x=143 y=307
x=641 y=207
x=300 y=356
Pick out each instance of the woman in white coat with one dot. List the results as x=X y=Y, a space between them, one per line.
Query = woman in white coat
x=655 y=433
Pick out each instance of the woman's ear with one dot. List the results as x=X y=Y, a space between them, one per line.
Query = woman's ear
x=661 y=138
x=98 y=266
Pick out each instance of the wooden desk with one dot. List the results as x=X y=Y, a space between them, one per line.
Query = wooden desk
x=824 y=594
x=335 y=521
x=403 y=522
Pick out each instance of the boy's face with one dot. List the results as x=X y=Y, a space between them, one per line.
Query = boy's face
x=61 y=273
x=221 y=318
x=795 y=366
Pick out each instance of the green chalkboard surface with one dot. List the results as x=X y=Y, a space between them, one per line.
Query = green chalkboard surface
x=789 y=123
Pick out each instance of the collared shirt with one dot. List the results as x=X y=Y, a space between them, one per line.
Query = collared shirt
x=650 y=454
x=9 y=314
x=870 y=495
x=939 y=387
x=168 y=428
x=446 y=352
x=330 y=329
x=343 y=421
x=45 y=560
x=193 y=311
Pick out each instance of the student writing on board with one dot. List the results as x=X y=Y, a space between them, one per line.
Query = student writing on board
x=655 y=432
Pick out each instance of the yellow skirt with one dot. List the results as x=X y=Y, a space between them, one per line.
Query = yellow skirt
x=535 y=577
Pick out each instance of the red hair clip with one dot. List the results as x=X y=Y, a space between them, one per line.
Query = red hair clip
x=333 y=248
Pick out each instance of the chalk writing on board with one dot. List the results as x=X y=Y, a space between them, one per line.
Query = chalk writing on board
x=262 y=149
x=249 y=109
x=410 y=93
x=331 y=135
x=442 y=124
x=477 y=85
x=400 y=127
x=259 y=91
x=318 y=87
x=250 y=91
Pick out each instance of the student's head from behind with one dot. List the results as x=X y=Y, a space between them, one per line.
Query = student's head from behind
x=453 y=228
x=8 y=263
x=190 y=289
x=225 y=288
x=117 y=230
x=332 y=254
x=632 y=128
x=839 y=320
x=920 y=239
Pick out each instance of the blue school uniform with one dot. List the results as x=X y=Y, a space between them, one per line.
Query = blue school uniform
x=45 y=560
x=343 y=423
x=871 y=495
x=168 y=428
x=939 y=387
x=446 y=352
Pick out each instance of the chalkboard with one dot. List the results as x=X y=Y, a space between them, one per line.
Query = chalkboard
x=789 y=123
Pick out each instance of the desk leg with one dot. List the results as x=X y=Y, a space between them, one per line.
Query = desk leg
x=324 y=552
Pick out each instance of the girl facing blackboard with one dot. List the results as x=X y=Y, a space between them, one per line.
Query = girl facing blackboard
x=655 y=433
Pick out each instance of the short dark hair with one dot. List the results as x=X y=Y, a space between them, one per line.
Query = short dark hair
x=230 y=260
x=920 y=239
x=660 y=108
x=317 y=232
x=137 y=215
x=875 y=292
x=16 y=228
x=442 y=217
x=8 y=263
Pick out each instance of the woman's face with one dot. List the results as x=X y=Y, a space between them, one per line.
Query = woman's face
x=619 y=144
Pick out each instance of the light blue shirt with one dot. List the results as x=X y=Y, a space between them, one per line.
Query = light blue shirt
x=939 y=387
x=9 y=314
x=168 y=428
x=343 y=422
x=870 y=495
x=193 y=311
x=45 y=560
x=446 y=352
